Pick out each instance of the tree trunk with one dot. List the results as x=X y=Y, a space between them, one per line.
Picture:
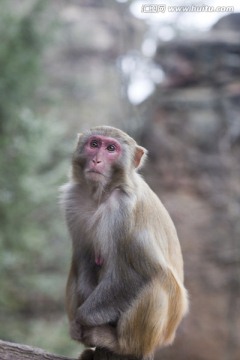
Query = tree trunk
x=11 y=351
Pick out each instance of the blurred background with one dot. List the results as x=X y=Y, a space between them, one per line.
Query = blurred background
x=168 y=73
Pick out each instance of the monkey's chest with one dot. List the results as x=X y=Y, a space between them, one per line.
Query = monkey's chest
x=107 y=227
x=98 y=260
x=103 y=231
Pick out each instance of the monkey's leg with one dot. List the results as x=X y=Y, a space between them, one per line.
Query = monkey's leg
x=98 y=309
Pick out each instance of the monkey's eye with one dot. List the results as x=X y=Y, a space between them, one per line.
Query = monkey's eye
x=94 y=144
x=111 y=148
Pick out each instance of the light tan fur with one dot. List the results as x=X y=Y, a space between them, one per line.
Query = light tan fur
x=125 y=219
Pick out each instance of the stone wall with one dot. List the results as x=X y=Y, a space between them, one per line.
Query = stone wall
x=192 y=131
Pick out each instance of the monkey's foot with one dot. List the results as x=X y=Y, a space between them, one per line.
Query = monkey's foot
x=98 y=354
x=87 y=355
x=104 y=354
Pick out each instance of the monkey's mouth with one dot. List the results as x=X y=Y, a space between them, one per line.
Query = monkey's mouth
x=94 y=175
x=92 y=171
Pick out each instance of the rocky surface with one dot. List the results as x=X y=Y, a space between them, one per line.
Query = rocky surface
x=193 y=136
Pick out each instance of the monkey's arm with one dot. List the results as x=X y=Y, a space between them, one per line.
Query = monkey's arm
x=80 y=284
x=120 y=285
x=110 y=298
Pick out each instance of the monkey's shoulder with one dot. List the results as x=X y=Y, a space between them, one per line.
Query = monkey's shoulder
x=149 y=203
x=152 y=218
x=77 y=207
x=74 y=195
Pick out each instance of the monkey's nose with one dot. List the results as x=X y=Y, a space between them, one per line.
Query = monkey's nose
x=96 y=161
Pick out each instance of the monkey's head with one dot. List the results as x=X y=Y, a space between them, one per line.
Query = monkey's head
x=106 y=155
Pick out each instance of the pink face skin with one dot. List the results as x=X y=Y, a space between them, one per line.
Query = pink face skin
x=101 y=152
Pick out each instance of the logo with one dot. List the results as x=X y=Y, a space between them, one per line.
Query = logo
x=153 y=8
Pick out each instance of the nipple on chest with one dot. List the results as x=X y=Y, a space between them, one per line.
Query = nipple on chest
x=98 y=260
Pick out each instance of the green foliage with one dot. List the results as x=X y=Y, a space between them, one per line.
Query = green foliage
x=20 y=51
x=30 y=237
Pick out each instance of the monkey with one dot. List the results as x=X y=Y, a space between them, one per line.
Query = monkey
x=125 y=292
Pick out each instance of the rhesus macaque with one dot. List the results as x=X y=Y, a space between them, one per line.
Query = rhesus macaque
x=125 y=293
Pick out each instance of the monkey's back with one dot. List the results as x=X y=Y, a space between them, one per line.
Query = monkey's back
x=157 y=229
x=153 y=317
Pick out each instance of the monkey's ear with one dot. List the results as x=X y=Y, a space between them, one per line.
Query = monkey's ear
x=79 y=138
x=79 y=135
x=139 y=156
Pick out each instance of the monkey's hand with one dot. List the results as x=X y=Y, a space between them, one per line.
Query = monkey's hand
x=88 y=336
x=95 y=336
x=84 y=334
x=88 y=315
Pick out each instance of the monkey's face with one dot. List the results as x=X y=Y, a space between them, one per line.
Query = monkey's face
x=106 y=156
x=101 y=155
